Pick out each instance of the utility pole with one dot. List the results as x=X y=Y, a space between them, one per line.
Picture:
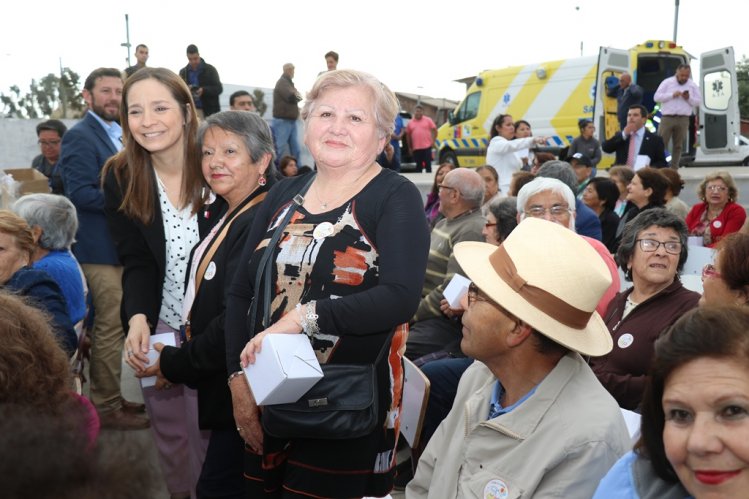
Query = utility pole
x=577 y=8
x=676 y=19
x=127 y=39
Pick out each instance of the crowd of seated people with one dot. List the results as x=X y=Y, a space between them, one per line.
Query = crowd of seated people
x=529 y=373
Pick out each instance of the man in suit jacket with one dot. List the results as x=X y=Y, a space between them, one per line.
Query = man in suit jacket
x=85 y=149
x=628 y=94
x=646 y=143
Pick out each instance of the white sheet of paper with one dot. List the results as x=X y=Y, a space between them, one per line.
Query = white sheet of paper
x=632 y=420
x=168 y=340
x=641 y=161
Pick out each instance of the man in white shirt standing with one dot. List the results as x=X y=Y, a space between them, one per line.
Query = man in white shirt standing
x=678 y=96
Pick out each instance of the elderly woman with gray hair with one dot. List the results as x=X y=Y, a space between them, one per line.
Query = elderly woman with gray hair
x=53 y=222
x=16 y=276
x=237 y=164
x=652 y=252
x=346 y=272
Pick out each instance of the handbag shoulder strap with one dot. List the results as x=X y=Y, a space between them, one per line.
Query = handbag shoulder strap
x=216 y=243
x=265 y=262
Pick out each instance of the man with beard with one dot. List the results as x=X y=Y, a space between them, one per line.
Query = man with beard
x=85 y=149
x=679 y=96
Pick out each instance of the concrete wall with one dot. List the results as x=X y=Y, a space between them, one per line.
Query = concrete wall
x=18 y=141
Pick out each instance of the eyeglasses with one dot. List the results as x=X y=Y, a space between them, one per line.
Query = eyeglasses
x=443 y=186
x=490 y=224
x=555 y=211
x=709 y=271
x=650 y=245
x=49 y=143
x=716 y=188
x=474 y=296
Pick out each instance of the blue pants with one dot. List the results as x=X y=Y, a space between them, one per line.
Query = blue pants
x=285 y=134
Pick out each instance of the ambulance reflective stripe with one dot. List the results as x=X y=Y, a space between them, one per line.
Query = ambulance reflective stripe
x=564 y=99
x=511 y=93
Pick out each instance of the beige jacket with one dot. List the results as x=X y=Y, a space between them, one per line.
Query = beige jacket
x=558 y=443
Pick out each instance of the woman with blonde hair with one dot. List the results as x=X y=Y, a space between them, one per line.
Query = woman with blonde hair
x=718 y=214
x=335 y=243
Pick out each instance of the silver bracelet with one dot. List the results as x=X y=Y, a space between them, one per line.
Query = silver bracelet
x=234 y=375
x=308 y=318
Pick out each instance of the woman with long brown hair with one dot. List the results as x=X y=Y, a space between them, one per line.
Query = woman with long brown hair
x=156 y=210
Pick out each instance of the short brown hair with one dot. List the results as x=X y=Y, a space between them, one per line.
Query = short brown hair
x=714 y=332
x=34 y=369
x=675 y=183
x=624 y=172
x=16 y=226
x=651 y=178
x=733 y=255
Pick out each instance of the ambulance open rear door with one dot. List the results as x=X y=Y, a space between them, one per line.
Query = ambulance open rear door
x=611 y=64
x=719 y=113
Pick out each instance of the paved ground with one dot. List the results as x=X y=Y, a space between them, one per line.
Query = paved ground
x=131 y=391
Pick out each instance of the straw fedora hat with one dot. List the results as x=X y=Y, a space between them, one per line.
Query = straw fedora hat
x=547 y=276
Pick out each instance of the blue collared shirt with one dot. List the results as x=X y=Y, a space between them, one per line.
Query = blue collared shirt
x=113 y=129
x=495 y=407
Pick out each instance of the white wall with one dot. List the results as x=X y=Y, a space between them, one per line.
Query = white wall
x=18 y=141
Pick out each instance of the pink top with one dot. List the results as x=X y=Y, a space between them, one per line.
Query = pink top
x=611 y=264
x=680 y=106
x=420 y=132
x=92 y=425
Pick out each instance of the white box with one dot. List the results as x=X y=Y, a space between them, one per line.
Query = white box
x=284 y=370
x=167 y=339
x=455 y=290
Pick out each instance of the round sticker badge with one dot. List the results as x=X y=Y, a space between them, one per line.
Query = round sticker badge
x=496 y=489
x=625 y=340
x=717 y=224
x=323 y=230
x=210 y=272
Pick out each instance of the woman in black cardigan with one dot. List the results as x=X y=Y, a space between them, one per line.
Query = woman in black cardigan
x=237 y=164
x=155 y=206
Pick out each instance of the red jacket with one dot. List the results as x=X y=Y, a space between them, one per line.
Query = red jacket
x=730 y=220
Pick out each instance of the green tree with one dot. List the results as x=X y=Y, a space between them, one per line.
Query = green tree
x=742 y=74
x=259 y=99
x=50 y=96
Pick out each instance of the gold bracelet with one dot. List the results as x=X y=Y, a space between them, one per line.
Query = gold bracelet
x=234 y=375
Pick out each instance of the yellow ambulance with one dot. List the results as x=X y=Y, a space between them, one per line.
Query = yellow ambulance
x=554 y=96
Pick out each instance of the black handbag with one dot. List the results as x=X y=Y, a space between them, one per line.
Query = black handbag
x=344 y=403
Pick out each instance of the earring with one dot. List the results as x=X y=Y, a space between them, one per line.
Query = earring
x=262 y=180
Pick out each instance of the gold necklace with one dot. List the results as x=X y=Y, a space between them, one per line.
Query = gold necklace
x=342 y=192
